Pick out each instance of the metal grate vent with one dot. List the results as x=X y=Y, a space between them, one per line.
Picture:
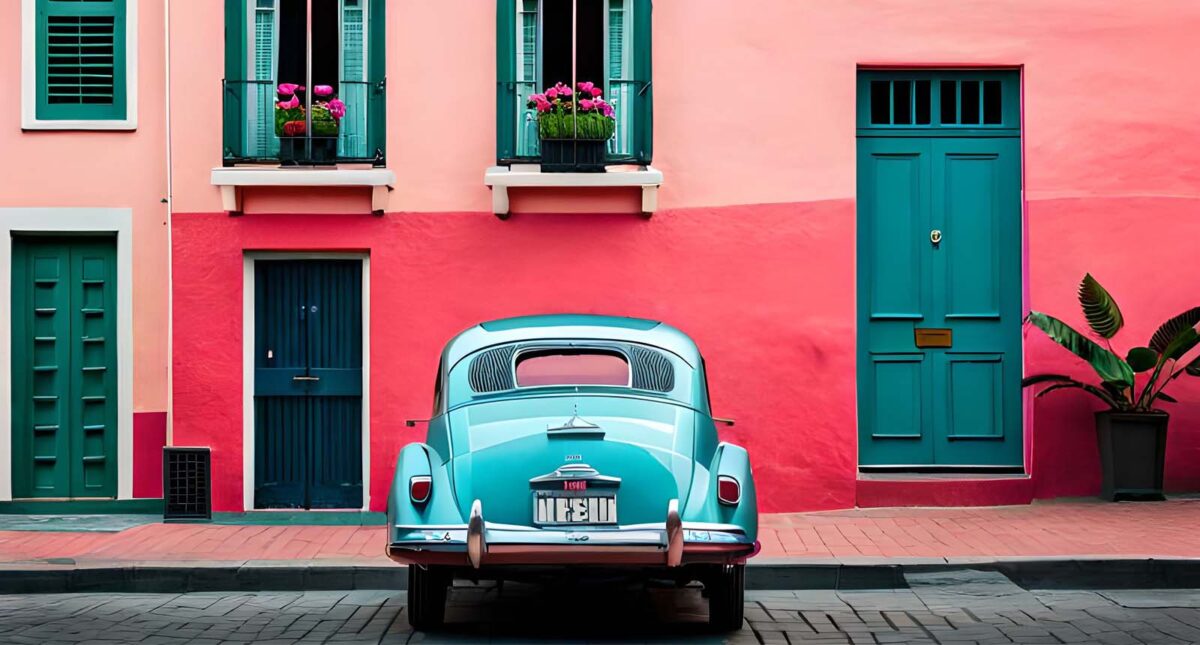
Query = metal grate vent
x=492 y=370
x=651 y=370
x=187 y=479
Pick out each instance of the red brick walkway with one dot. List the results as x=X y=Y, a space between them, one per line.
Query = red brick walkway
x=1164 y=529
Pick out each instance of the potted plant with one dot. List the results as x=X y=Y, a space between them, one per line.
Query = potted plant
x=291 y=126
x=1132 y=432
x=574 y=127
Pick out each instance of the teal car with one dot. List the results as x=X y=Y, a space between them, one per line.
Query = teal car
x=572 y=444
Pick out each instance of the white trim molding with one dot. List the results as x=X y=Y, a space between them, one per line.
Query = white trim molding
x=501 y=178
x=72 y=220
x=232 y=180
x=29 y=120
x=248 y=313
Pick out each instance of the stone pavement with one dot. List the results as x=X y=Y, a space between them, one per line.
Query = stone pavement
x=1051 y=529
x=955 y=607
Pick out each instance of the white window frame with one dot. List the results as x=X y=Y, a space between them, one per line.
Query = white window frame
x=72 y=220
x=29 y=84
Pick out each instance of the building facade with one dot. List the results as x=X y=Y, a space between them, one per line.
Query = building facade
x=83 y=254
x=849 y=206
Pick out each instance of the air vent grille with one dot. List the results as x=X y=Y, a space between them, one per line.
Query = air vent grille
x=187 y=484
x=492 y=371
x=651 y=370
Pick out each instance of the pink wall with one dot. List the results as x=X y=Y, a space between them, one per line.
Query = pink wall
x=753 y=252
x=103 y=169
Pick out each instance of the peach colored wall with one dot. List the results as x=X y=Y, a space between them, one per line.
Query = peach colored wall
x=754 y=105
x=103 y=169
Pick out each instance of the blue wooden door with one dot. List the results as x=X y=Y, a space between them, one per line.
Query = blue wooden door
x=308 y=384
x=939 y=291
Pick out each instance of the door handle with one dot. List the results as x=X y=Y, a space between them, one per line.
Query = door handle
x=935 y=236
x=306 y=378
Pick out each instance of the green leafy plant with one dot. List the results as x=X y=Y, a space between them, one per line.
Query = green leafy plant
x=1163 y=360
x=578 y=114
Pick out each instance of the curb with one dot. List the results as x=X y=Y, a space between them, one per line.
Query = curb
x=873 y=574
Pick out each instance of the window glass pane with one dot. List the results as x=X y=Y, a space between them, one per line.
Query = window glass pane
x=991 y=102
x=970 y=102
x=949 y=102
x=572 y=367
x=923 y=91
x=881 y=102
x=902 y=102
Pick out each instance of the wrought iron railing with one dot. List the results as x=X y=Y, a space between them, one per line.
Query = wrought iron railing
x=252 y=136
x=622 y=94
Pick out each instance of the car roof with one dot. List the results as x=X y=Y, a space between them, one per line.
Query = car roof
x=570 y=327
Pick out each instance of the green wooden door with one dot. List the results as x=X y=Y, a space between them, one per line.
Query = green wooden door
x=308 y=384
x=939 y=284
x=64 y=367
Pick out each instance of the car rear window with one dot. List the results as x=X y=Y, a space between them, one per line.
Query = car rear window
x=572 y=367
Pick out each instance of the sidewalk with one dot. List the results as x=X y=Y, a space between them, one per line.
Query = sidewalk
x=1048 y=532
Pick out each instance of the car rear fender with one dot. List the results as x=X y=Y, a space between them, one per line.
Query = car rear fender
x=419 y=459
x=703 y=506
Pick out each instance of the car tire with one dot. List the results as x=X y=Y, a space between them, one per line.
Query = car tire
x=427 y=587
x=726 y=597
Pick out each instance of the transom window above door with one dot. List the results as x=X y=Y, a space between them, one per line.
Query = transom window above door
x=956 y=101
x=609 y=46
x=304 y=81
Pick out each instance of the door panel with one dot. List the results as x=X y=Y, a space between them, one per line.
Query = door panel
x=308 y=384
x=967 y=283
x=64 y=367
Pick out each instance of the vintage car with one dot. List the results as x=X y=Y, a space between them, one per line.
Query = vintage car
x=572 y=444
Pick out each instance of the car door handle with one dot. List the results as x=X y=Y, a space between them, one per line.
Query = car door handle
x=306 y=378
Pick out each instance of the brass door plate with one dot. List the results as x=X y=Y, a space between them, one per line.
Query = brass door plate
x=931 y=337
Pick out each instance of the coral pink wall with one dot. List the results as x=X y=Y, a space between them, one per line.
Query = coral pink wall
x=753 y=252
x=102 y=169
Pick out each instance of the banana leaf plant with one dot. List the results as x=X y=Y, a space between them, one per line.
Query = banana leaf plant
x=1162 y=360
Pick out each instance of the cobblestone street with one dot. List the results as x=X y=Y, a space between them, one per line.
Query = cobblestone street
x=960 y=607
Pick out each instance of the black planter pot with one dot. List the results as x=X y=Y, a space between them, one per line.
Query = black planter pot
x=1133 y=448
x=573 y=155
x=303 y=150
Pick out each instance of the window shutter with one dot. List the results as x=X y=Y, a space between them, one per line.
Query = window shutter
x=81 y=60
x=377 y=77
x=260 y=95
x=233 y=106
x=506 y=79
x=643 y=126
x=353 y=88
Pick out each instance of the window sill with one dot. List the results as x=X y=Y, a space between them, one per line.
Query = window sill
x=121 y=125
x=501 y=178
x=232 y=180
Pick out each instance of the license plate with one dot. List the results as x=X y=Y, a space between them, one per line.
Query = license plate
x=558 y=508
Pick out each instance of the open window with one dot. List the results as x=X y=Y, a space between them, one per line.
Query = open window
x=304 y=81
x=609 y=46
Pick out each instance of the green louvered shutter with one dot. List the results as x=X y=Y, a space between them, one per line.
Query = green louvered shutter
x=81 y=60
x=377 y=77
x=353 y=88
x=643 y=125
x=260 y=95
x=506 y=79
x=528 y=144
x=234 y=105
x=621 y=88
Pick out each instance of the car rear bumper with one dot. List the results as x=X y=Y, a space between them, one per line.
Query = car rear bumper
x=504 y=545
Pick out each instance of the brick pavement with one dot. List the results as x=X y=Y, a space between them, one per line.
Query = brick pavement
x=954 y=607
x=1159 y=529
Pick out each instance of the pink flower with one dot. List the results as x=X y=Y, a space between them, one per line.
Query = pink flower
x=586 y=105
x=337 y=108
x=552 y=93
x=287 y=89
x=596 y=92
x=290 y=104
x=607 y=110
x=565 y=91
x=322 y=90
x=543 y=105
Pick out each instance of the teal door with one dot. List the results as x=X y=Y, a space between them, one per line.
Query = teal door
x=64 y=367
x=939 y=273
x=308 y=384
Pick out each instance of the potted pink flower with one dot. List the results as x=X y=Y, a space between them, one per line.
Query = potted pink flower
x=574 y=126
x=291 y=124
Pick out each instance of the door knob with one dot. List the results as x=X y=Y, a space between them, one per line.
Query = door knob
x=935 y=236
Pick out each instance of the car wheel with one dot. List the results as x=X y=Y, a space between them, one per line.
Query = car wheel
x=427 y=588
x=726 y=597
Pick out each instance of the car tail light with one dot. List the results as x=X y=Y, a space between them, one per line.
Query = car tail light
x=419 y=488
x=729 y=491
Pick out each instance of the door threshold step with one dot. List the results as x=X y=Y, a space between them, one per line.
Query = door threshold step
x=934 y=476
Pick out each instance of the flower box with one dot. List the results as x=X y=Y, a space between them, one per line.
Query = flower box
x=296 y=144
x=574 y=127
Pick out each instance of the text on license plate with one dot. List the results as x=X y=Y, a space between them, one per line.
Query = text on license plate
x=562 y=509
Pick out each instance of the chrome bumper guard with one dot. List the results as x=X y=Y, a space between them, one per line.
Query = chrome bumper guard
x=476 y=543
